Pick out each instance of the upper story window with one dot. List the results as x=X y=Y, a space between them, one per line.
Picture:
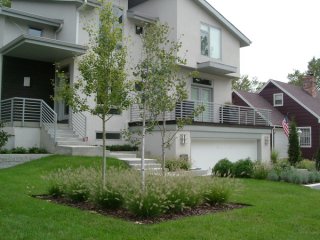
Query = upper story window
x=305 y=136
x=118 y=12
x=278 y=99
x=210 y=41
x=37 y=32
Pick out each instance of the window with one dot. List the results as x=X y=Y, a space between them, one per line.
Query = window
x=139 y=30
x=305 y=136
x=202 y=81
x=114 y=111
x=35 y=32
x=109 y=136
x=278 y=99
x=210 y=41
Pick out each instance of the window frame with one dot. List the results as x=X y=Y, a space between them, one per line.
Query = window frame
x=209 y=41
x=274 y=99
x=310 y=137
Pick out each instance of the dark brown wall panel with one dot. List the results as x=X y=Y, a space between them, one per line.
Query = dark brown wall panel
x=297 y=112
x=41 y=74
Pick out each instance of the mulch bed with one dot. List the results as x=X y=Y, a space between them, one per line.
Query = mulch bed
x=125 y=215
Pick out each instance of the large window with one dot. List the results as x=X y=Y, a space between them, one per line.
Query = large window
x=210 y=41
x=109 y=136
x=278 y=99
x=305 y=136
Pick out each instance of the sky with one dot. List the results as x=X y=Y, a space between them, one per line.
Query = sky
x=285 y=34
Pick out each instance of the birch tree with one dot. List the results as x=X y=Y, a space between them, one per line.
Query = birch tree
x=103 y=74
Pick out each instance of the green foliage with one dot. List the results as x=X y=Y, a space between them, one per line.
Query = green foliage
x=243 y=168
x=296 y=78
x=177 y=164
x=260 y=170
x=218 y=191
x=122 y=190
x=19 y=150
x=223 y=168
x=5 y=3
x=307 y=164
x=125 y=147
x=4 y=136
x=246 y=84
x=318 y=160
x=274 y=156
x=294 y=152
x=22 y=150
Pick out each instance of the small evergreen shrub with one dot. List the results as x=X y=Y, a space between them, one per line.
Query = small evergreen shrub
x=243 y=168
x=19 y=150
x=260 y=170
x=35 y=150
x=223 y=168
x=294 y=152
x=4 y=136
x=177 y=164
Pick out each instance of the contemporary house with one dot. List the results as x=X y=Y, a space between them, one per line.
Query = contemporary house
x=34 y=40
x=301 y=104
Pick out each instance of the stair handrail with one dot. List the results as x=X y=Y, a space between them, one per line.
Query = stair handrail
x=48 y=119
x=79 y=124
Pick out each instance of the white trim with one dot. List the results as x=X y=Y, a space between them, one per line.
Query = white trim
x=274 y=99
x=291 y=96
x=310 y=145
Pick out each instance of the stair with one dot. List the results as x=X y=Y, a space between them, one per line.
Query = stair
x=149 y=165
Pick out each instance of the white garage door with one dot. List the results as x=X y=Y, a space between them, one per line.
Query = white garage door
x=206 y=153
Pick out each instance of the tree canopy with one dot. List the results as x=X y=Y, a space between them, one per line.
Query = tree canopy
x=244 y=83
x=296 y=78
x=5 y=3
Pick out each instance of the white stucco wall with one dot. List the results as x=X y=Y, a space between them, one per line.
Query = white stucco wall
x=23 y=137
x=281 y=143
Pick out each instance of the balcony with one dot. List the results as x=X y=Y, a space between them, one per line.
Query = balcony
x=213 y=113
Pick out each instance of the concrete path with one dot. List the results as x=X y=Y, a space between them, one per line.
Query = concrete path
x=314 y=186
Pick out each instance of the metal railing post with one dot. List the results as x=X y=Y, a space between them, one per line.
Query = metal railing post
x=23 y=110
x=12 y=102
x=239 y=117
x=41 y=109
x=254 y=117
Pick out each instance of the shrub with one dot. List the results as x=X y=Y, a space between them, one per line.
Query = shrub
x=217 y=191
x=260 y=170
x=108 y=198
x=4 y=136
x=35 y=150
x=125 y=147
x=318 y=160
x=19 y=150
x=177 y=164
x=273 y=175
x=307 y=164
x=281 y=165
x=293 y=175
x=243 y=168
x=223 y=168
x=294 y=152
x=274 y=156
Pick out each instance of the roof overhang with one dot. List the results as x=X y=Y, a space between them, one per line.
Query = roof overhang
x=216 y=68
x=91 y=3
x=244 y=41
x=9 y=12
x=140 y=17
x=41 y=49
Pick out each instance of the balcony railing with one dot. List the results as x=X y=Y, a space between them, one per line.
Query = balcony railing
x=213 y=113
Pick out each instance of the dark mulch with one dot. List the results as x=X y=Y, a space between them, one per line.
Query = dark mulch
x=124 y=214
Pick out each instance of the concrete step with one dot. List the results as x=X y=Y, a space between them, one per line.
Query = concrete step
x=138 y=161
x=78 y=150
x=70 y=138
x=122 y=155
x=70 y=143
x=153 y=166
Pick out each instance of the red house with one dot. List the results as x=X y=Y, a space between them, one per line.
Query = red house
x=299 y=103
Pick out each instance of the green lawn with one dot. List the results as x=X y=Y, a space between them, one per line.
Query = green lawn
x=279 y=211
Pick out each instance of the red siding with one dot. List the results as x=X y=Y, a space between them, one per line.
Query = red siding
x=294 y=111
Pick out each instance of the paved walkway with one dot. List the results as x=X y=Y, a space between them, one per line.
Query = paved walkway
x=314 y=186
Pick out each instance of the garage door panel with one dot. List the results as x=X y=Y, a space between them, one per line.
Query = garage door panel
x=206 y=153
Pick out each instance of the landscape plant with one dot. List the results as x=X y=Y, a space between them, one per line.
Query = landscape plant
x=294 y=152
x=4 y=136
x=177 y=164
x=260 y=170
x=103 y=74
x=318 y=160
x=274 y=156
x=243 y=168
x=223 y=168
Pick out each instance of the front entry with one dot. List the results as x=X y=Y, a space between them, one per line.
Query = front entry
x=61 y=108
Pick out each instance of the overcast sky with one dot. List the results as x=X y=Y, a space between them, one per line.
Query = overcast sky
x=285 y=34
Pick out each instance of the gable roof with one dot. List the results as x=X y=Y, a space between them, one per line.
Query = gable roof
x=244 y=41
x=256 y=101
x=311 y=104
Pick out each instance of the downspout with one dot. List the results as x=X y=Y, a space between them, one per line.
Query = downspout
x=82 y=6
x=58 y=30
x=272 y=137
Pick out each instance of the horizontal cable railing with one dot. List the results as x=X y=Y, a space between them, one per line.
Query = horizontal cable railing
x=79 y=124
x=213 y=113
x=24 y=110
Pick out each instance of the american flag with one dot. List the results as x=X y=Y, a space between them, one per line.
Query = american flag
x=285 y=126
